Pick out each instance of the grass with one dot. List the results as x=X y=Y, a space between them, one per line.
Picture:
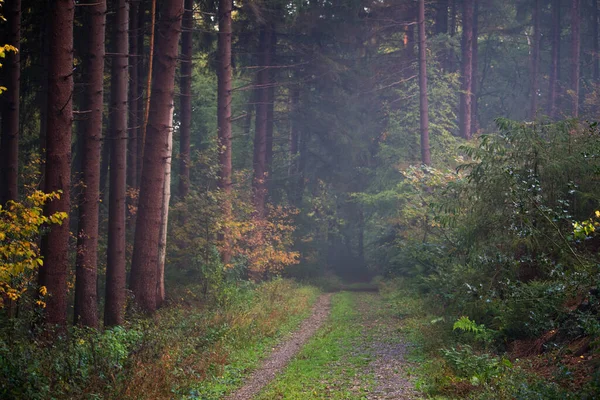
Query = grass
x=328 y=367
x=187 y=350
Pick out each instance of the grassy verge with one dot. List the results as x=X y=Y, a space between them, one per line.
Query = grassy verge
x=327 y=367
x=185 y=351
x=457 y=364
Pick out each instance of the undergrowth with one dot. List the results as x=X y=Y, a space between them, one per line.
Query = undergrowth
x=187 y=350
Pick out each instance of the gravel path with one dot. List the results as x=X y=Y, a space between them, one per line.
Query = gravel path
x=284 y=352
x=385 y=346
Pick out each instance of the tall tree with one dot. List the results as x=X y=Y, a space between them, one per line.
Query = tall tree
x=535 y=59
x=115 y=262
x=466 y=94
x=554 y=60
x=145 y=261
x=595 y=42
x=260 y=135
x=475 y=71
x=271 y=99
x=86 y=297
x=55 y=243
x=185 y=99
x=224 y=73
x=423 y=104
x=9 y=134
x=575 y=55
x=134 y=95
x=441 y=17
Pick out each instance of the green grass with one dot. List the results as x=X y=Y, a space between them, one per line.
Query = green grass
x=328 y=367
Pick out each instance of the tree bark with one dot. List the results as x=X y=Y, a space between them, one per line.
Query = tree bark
x=575 y=56
x=185 y=99
x=475 y=69
x=595 y=43
x=260 y=135
x=271 y=101
x=55 y=243
x=224 y=74
x=9 y=134
x=141 y=71
x=115 y=263
x=467 y=70
x=134 y=96
x=441 y=17
x=554 y=62
x=535 y=60
x=423 y=104
x=86 y=309
x=144 y=265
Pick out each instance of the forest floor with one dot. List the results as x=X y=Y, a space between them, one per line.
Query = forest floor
x=349 y=348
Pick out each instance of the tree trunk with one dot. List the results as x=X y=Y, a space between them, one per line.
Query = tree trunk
x=185 y=85
x=9 y=140
x=467 y=70
x=141 y=71
x=554 y=62
x=86 y=297
x=224 y=72
x=144 y=279
x=595 y=43
x=271 y=101
x=43 y=93
x=535 y=60
x=260 y=135
x=55 y=243
x=475 y=71
x=115 y=262
x=166 y=197
x=441 y=17
x=134 y=96
x=294 y=136
x=575 y=56
x=423 y=104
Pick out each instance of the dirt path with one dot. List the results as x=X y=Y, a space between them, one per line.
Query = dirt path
x=387 y=350
x=283 y=353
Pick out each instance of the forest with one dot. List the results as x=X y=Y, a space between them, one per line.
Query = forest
x=299 y=199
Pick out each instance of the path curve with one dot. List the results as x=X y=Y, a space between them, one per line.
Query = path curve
x=283 y=353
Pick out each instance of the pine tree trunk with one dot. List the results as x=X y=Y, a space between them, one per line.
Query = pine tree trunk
x=595 y=43
x=224 y=73
x=554 y=61
x=475 y=71
x=535 y=60
x=271 y=101
x=141 y=72
x=86 y=309
x=115 y=263
x=185 y=85
x=145 y=261
x=575 y=56
x=466 y=70
x=134 y=122
x=260 y=133
x=423 y=104
x=166 y=197
x=55 y=243
x=9 y=135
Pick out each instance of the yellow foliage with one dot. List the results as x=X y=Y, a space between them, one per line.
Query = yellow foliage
x=20 y=224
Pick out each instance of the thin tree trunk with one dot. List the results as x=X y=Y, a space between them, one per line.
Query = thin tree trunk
x=260 y=135
x=86 y=297
x=271 y=100
x=441 y=17
x=554 y=62
x=43 y=93
x=166 y=197
x=185 y=99
x=294 y=134
x=140 y=90
x=134 y=120
x=149 y=80
x=55 y=243
x=450 y=61
x=144 y=279
x=575 y=55
x=423 y=104
x=535 y=60
x=9 y=139
x=475 y=69
x=115 y=263
x=595 y=43
x=224 y=117
x=467 y=70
